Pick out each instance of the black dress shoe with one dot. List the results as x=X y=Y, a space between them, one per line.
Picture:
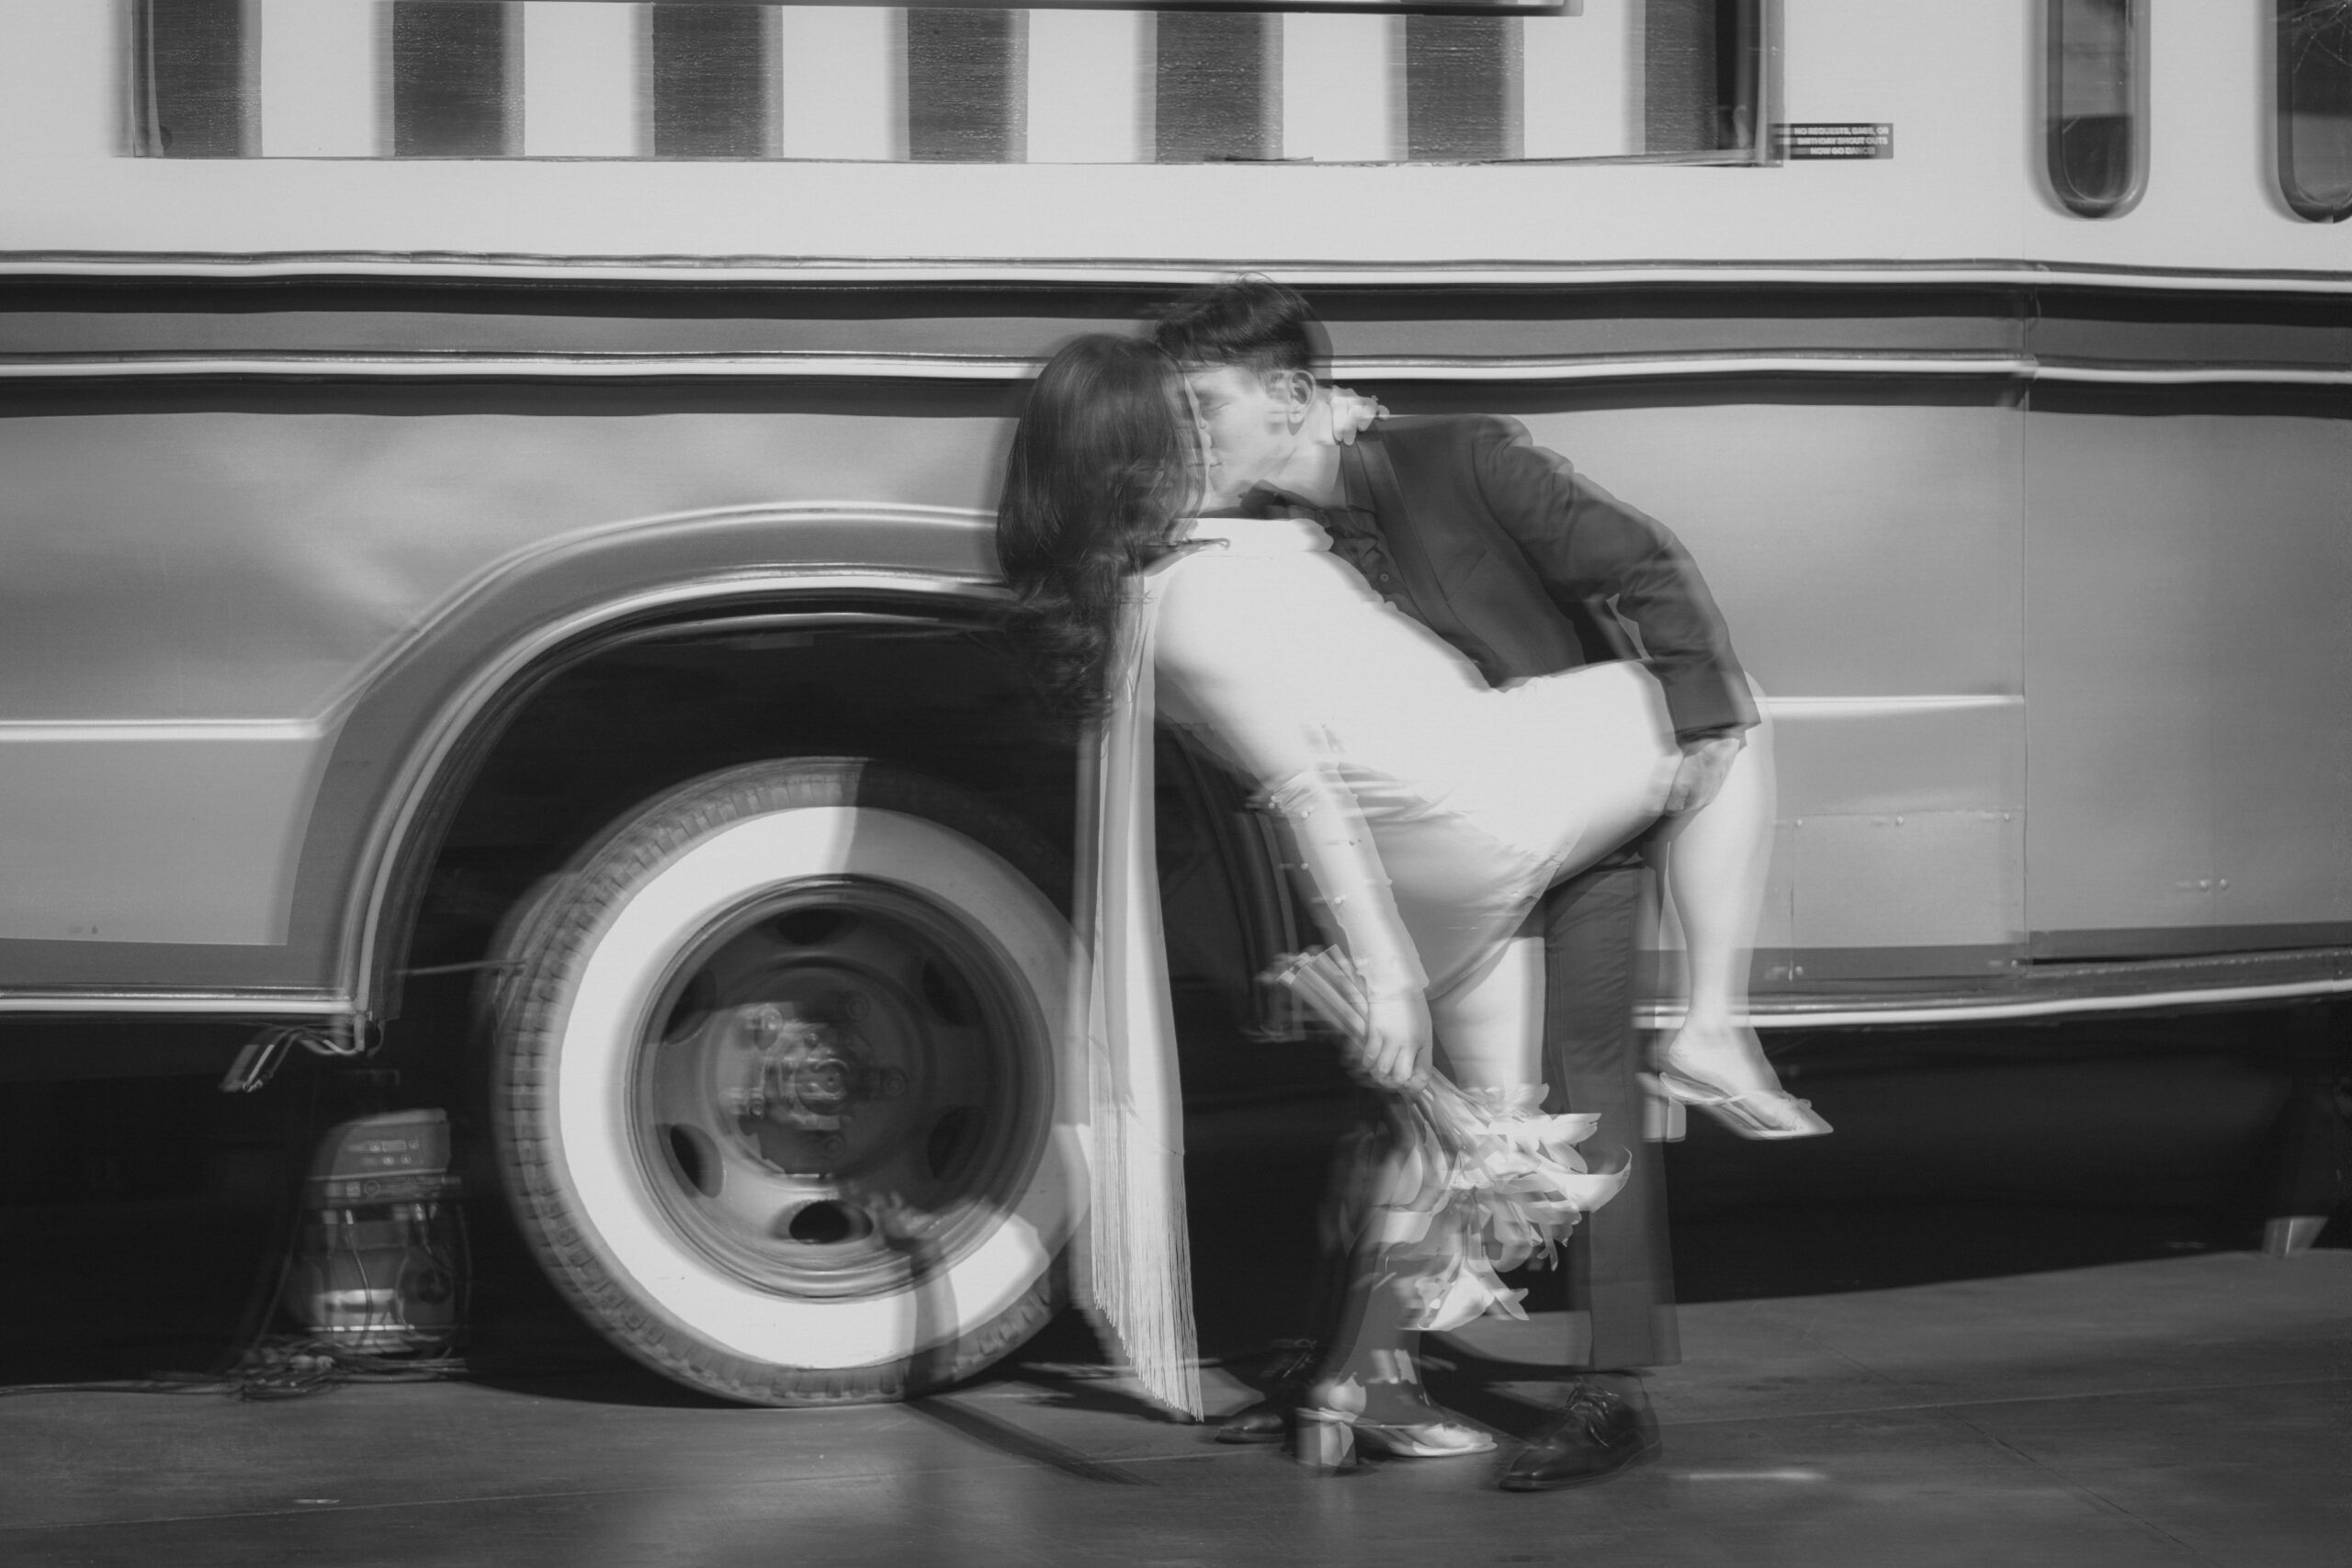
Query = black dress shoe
x=1597 y=1435
x=1270 y=1420
x=1265 y=1422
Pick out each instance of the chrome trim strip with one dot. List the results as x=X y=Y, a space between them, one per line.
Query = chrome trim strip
x=422 y=762
x=1765 y=1015
x=1621 y=367
x=1798 y=1015
x=1919 y=704
x=184 y=1003
x=78 y=731
x=814 y=620
x=2196 y=374
x=1483 y=273
x=454 y=367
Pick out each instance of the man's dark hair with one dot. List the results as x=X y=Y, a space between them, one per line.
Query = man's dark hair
x=1250 y=320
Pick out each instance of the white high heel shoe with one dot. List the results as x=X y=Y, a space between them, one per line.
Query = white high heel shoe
x=1757 y=1113
x=1333 y=1429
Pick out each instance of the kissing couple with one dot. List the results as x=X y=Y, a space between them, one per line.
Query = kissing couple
x=1398 y=631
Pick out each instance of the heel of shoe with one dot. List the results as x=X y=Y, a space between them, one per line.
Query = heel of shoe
x=1772 y=1114
x=1664 y=1119
x=1325 y=1442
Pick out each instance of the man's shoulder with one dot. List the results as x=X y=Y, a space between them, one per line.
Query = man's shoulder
x=1450 y=449
x=1463 y=438
x=1448 y=429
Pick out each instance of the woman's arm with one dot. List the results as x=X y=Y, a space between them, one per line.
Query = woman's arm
x=1344 y=865
x=1229 y=646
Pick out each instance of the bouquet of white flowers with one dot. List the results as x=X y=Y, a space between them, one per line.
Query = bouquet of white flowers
x=1491 y=1181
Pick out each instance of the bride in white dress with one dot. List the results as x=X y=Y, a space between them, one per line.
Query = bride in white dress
x=1430 y=810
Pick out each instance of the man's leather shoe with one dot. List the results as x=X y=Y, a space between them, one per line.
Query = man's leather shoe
x=1268 y=1420
x=1598 y=1434
x=1265 y=1422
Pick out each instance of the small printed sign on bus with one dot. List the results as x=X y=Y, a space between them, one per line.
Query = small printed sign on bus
x=1833 y=141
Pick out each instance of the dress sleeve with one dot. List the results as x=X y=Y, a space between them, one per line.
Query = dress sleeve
x=1239 y=655
x=1586 y=544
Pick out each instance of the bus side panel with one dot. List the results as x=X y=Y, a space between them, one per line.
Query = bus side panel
x=209 y=609
x=168 y=834
x=2190 y=646
x=1867 y=559
x=2282 y=671
x=1858 y=549
x=246 y=562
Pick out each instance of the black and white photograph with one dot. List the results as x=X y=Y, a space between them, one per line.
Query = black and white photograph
x=1359 y=783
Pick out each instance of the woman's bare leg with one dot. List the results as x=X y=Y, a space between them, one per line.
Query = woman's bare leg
x=1490 y=1028
x=1716 y=861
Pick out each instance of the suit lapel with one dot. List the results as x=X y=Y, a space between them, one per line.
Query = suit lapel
x=1409 y=550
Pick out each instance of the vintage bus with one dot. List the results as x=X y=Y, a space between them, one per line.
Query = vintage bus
x=495 y=496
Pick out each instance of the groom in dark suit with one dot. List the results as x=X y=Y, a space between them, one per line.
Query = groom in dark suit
x=1506 y=552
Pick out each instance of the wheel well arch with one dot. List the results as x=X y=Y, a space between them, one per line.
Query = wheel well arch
x=771 y=635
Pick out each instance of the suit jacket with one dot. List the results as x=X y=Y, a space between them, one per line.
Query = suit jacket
x=1529 y=567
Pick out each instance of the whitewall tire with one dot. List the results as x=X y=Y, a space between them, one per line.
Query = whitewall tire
x=781 y=1085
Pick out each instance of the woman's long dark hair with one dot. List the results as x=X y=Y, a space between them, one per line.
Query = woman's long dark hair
x=1100 y=466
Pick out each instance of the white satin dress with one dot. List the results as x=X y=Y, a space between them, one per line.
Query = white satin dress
x=1477 y=799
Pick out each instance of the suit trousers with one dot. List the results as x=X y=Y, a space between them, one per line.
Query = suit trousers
x=1620 y=1269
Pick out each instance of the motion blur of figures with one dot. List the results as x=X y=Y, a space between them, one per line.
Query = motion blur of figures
x=1574 y=579
x=500 y=506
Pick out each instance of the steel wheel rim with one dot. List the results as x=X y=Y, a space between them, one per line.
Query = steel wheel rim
x=829 y=1096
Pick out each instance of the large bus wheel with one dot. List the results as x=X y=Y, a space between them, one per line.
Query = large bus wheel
x=778 y=1067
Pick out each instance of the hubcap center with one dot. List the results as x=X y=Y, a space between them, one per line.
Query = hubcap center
x=807 y=1074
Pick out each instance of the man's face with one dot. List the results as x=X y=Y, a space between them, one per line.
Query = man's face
x=1250 y=420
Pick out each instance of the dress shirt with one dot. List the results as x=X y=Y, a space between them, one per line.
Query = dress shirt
x=1354 y=524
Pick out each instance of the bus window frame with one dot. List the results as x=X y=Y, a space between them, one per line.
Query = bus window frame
x=2079 y=203
x=2305 y=205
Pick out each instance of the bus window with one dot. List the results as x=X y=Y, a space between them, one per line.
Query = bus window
x=196 y=70
x=2316 y=108
x=713 y=81
x=1667 y=81
x=967 y=86
x=2096 y=107
x=1217 y=85
x=1704 y=70
x=456 y=92
x=1462 y=87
